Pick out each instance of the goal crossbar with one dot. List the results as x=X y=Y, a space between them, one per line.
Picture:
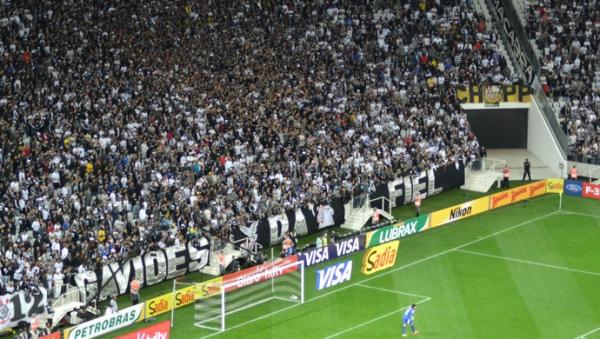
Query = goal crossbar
x=263 y=284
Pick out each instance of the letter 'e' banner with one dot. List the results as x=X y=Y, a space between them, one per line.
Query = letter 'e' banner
x=461 y=211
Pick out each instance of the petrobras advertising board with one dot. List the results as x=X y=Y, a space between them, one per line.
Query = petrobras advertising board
x=106 y=324
x=573 y=187
x=334 y=275
x=335 y=250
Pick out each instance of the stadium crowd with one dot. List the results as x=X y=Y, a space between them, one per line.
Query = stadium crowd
x=135 y=125
x=568 y=34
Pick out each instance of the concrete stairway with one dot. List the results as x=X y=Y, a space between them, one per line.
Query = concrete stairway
x=481 y=181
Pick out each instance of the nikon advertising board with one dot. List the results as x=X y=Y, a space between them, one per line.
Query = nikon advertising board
x=461 y=211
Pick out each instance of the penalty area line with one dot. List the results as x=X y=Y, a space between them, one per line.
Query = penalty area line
x=337 y=334
x=392 y=291
x=588 y=333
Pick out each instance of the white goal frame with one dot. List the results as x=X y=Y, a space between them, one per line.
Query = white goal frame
x=272 y=273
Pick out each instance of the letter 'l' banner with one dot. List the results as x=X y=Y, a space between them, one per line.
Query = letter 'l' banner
x=161 y=330
x=461 y=211
x=397 y=230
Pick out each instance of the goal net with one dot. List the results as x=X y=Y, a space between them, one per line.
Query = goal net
x=266 y=289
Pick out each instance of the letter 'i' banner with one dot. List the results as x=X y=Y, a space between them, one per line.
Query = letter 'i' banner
x=461 y=211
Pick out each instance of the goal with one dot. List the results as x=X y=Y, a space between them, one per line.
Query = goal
x=266 y=288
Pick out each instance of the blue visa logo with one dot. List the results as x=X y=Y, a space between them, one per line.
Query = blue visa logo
x=334 y=275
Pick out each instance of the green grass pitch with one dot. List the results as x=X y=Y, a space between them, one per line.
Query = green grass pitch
x=524 y=271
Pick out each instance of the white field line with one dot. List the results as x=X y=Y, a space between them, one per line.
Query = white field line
x=416 y=262
x=530 y=262
x=392 y=291
x=586 y=334
x=582 y=214
x=337 y=334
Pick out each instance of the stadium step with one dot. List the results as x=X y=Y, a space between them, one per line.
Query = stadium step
x=481 y=181
x=358 y=218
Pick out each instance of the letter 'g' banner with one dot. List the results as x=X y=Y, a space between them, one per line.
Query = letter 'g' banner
x=461 y=211
x=149 y=269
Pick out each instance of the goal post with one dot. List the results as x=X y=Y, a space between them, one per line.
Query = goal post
x=274 y=285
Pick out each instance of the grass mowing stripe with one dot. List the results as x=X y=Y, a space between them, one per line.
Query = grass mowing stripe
x=590 y=332
x=433 y=256
x=337 y=334
x=392 y=291
x=529 y=262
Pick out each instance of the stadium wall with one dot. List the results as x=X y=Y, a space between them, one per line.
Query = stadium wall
x=541 y=142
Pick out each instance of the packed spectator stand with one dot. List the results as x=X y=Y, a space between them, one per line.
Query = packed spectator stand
x=135 y=125
x=567 y=35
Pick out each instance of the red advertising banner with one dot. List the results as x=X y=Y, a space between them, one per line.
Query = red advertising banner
x=55 y=335
x=161 y=330
x=260 y=273
x=591 y=191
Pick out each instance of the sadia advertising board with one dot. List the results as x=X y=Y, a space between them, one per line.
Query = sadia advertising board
x=555 y=185
x=380 y=257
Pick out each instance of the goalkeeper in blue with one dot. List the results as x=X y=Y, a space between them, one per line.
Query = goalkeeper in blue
x=409 y=319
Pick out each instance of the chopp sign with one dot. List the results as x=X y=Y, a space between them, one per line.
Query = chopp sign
x=161 y=330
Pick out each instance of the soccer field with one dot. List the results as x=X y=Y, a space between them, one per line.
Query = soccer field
x=525 y=271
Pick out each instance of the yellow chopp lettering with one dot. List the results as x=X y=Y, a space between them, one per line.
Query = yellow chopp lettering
x=380 y=257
